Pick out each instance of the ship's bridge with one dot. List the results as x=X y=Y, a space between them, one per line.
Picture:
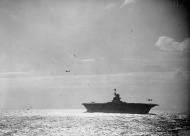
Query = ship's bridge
x=116 y=98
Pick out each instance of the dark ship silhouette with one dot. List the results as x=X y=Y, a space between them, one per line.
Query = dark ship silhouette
x=118 y=106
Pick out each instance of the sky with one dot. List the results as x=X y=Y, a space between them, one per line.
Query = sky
x=59 y=54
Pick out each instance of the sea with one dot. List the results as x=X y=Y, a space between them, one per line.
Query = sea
x=51 y=122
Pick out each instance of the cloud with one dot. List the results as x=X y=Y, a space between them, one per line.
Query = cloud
x=165 y=43
x=113 y=5
x=14 y=73
x=182 y=74
x=109 y=6
x=88 y=60
x=84 y=81
x=139 y=60
x=126 y=2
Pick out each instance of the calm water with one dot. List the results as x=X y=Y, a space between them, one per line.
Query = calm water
x=79 y=123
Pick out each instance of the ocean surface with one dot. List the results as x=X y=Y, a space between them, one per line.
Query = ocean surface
x=79 y=123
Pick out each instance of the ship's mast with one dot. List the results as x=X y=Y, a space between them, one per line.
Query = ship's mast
x=115 y=92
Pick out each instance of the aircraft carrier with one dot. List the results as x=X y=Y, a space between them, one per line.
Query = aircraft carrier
x=118 y=106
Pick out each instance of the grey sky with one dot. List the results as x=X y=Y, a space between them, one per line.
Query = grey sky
x=140 y=47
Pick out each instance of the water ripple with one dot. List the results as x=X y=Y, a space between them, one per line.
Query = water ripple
x=79 y=123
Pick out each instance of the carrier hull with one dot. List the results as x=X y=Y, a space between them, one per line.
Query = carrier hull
x=123 y=107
